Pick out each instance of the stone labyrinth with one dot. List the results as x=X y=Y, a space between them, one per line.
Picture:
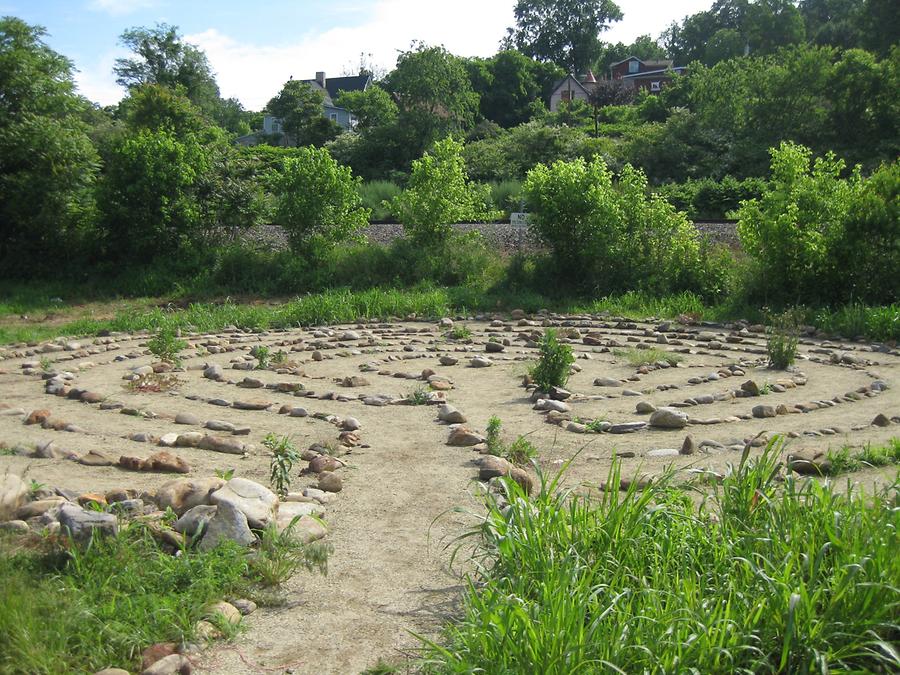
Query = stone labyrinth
x=389 y=418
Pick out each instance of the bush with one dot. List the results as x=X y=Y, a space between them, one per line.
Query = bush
x=707 y=199
x=790 y=230
x=317 y=202
x=166 y=346
x=781 y=339
x=866 y=256
x=552 y=369
x=439 y=194
x=609 y=237
x=506 y=196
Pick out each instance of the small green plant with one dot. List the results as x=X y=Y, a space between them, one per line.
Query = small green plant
x=279 y=358
x=461 y=333
x=46 y=364
x=166 y=346
x=35 y=486
x=495 y=445
x=552 y=368
x=591 y=425
x=281 y=555
x=419 y=396
x=521 y=451
x=225 y=474
x=261 y=354
x=169 y=517
x=782 y=338
x=844 y=460
x=284 y=454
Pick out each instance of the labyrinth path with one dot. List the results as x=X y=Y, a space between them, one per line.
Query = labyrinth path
x=68 y=412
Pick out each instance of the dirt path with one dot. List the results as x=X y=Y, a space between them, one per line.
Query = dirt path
x=388 y=575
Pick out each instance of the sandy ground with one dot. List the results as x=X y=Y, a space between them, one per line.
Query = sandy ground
x=392 y=527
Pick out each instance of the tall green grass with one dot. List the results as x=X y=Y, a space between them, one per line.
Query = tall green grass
x=763 y=577
x=374 y=194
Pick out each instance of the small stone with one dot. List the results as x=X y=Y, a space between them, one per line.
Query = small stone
x=447 y=413
x=13 y=493
x=244 y=606
x=481 y=362
x=809 y=462
x=169 y=440
x=183 y=494
x=187 y=418
x=350 y=424
x=298 y=412
x=627 y=427
x=214 y=372
x=154 y=653
x=195 y=520
x=549 y=404
x=448 y=361
x=607 y=382
x=663 y=452
x=763 y=411
x=37 y=417
x=750 y=387
x=175 y=664
x=881 y=420
x=227 y=444
x=688 y=447
x=251 y=405
x=330 y=482
x=226 y=611
x=644 y=408
x=461 y=437
x=668 y=418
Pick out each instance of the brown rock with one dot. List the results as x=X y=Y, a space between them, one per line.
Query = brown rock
x=688 y=448
x=809 y=462
x=227 y=444
x=91 y=498
x=37 y=416
x=491 y=466
x=94 y=458
x=881 y=420
x=330 y=482
x=522 y=478
x=461 y=437
x=322 y=463
x=183 y=494
x=154 y=653
x=174 y=664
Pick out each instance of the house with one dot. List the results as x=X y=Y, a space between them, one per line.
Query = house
x=570 y=88
x=650 y=75
x=330 y=89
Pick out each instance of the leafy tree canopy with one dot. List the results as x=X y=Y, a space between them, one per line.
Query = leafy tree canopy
x=299 y=107
x=565 y=32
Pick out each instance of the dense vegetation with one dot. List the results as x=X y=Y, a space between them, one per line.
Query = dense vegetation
x=762 y=577
x=795 y=133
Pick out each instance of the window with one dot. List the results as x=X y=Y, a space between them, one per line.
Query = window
x=633 y=66
x=654 y=86
x=334 y=117
x=565 y=95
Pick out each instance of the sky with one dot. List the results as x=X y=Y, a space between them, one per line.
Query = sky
x=254 y=48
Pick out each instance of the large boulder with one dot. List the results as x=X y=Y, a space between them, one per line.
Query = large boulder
x=258 y=503
x=229 y=524
x=194 y=521
x=13 y=492
x=183 y=494
x=81 y=525
x=668 y=418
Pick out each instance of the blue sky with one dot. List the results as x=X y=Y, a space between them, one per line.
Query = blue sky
x=254 y=48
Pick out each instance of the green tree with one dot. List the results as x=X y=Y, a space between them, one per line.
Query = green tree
x=433 y=92
x=565 y=32
x=299 y=107
x=148 y=195
x=439 y=194
x=162 y=57
x=317 y=202
x=512 y=88
x=372 y=107
x=48 y=164
x=644 y=47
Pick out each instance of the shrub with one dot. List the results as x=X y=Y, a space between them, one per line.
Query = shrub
x=439 y=194
x=166 y=346
x=707 y=199
x=866 y=255
x=610 y=237
x=494 y=442
x=790 y=230
x=552 y=369
x=781 y=339
x=506 y=196
x=261 y=354
x=317 y=201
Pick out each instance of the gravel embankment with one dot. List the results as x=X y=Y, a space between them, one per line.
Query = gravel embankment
x=505 y=237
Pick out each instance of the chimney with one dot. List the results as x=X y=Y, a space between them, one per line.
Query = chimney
x=320 y=78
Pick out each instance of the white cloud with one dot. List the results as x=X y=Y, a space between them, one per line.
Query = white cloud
x=98 y=83
x=120 y=7
x=255 y=73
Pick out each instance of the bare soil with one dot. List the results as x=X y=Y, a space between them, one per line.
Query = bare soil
x=393 y=526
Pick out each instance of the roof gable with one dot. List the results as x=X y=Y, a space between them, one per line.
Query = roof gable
x=574 y=81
